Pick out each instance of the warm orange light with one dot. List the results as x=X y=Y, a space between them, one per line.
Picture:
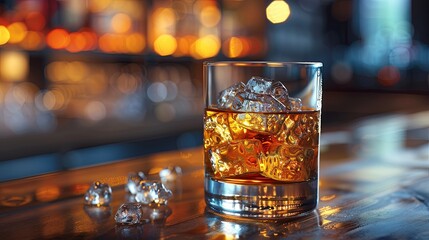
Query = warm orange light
x=135 y=43
x=77 y=42
x=210 y=16
x=58 y=38
x=104 y=43
x=278 y=11
x=98 y=5
x=47 y=193
x=13 y=65
x=234 y=47
x=4 y=35
x=205 y=47
x=35 y=21
x=165 y=45
x=90 y=40
x=121 y=23
x=388 y=76
x=33 y=41
x=184 y=45
x=17 y=32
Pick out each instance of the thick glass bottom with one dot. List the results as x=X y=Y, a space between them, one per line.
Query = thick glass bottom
x=261 y=201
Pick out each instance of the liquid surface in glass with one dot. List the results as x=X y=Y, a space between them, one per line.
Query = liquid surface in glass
x=252 y=148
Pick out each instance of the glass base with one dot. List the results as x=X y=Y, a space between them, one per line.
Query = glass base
x=262 y=201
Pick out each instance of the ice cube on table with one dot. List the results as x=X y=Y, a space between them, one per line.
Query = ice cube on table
x=236 y=157
x=98 y=194
x=129 y=213
x=152 y=192
x=170 y=174
x=156 y=214
x=134 y=179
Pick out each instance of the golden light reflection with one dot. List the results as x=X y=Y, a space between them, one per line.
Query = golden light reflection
x=47 y=193
x=278 y=11
x=236 y=47
x=17 y=32
x=165 y=45
x=327 y=197
x=121 y=23
x=4 y=35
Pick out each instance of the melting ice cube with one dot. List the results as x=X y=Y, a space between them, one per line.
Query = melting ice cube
x=99 y=194
x=133 y=181
x=129 y=213
x=152 y=192
x=170 y=174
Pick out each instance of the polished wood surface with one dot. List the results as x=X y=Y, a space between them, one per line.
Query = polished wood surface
x=374 y=184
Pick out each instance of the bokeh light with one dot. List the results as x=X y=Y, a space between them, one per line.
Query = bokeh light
x=205 y=47
x=165 y=45
x=35 y=21
x=17 y=32
x=13 y=65
x=210 y=16
x=77 y=42
x=33 y=41
x=121 y=23
x=135 y=43
x=58 y=38
x=388 y=76
x=4 y=35
x=278 y=11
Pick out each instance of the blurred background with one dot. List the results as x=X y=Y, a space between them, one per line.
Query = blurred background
x=85 y=82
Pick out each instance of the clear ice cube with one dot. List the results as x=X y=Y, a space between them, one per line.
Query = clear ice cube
x=279 y=92
x=226 y=98
x=258 y=95
x=170 y=174
x=258 y=85
x=294 y=104
x=152 y=192
x=133 y=181
x=129 y=213
x=217 y=127
x=98 y=194
x=236 y=158
x=156 y=214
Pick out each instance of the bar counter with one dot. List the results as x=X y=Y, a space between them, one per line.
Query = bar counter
x=373 y=185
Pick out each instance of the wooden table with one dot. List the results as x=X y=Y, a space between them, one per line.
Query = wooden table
x=374 y=184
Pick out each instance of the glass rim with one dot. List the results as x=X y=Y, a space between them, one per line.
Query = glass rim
x=261 y=63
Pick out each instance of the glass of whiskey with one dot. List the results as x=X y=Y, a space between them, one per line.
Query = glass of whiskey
x=261 y=138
